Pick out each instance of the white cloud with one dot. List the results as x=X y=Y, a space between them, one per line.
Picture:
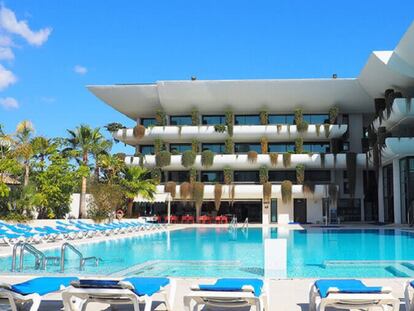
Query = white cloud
x=7 y=78
x=80 y=69
x=6 y=53
x=9 y=23
x=9 y=103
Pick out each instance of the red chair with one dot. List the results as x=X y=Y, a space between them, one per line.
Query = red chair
x=224 y=219
x=190 y=219
x=217 y=219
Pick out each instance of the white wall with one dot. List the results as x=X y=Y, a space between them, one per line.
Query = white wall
x=74 y=205
x=284 y=211
x=314 y=210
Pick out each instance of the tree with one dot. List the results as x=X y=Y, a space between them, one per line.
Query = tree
x=111 y=166
x=42 y=147
x=106 y=198
x=24 y=148
x=134 y=181
x=101 y=148
x=81 y=143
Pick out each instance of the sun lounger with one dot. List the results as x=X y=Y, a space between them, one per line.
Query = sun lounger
x=134 y=290
x=349 y=294
x=32 y=290
x=409 y=296
x=228 y=293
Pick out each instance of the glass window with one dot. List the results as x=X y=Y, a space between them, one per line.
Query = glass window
x=146 y=149
x=246 y=176
x=318 y=176
x=273 y=211
x=148 y=121
x=216 y=148
x=349 y=209
x=178 y=176
x=246 y=147
x=250 y=119
x=179 y=148
x=279 y=176
x=316 y=118
x=213 y=120
x=281 y=147
x=316 y=147
x=281 y=119
x=180 y=120
x=212 y=176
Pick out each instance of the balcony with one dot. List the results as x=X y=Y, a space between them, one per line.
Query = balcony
x=241 y=162
x=241 y=133
x=396 y=148
x=244 y=192
x=402 y=112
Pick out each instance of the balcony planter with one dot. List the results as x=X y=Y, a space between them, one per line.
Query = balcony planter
x=286 y=189
x=218 y=192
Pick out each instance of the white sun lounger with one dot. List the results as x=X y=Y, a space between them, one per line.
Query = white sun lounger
x=349 y=294
x=228 y=293
x=133 y=290
x=409 y=296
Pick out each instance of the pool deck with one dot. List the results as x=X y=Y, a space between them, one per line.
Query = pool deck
x=285 y=295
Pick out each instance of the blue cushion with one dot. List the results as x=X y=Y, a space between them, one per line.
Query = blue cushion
x=98 y=284
x=234 y=285
x=42 y=285
x=412 y=283
x=345 y=286
x=147 y=286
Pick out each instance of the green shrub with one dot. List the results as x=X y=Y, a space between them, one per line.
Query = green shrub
x=219 y=128
x=229 y=146
x=263 y=174
x=163 y=158
x=195 y=117
x=160 y=117
x=188 y=158
x=207 y=158
x=228 y=175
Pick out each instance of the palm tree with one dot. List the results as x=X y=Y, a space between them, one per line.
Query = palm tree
x=101 y=148
x=112 y=165
x=42 y=147
x=136 y=181
x=81 y=143
x=24 y=148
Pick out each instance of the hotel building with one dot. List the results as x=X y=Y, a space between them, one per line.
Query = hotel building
x=280 y=151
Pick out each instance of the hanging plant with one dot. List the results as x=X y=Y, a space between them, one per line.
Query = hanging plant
x=194 y=145
x=192 y=175
x=327 y=130
x=381 y=136
x=114 y=127
x=124 y=133
x=140 y=158
x=300 y=173
x=332 y=194
x=232 y=193
x=160 y=117
x=264 y=117
x=171 y=188
x=229 y=122
x=163 y=158
x=288 y=129
x=195 y=117
x=287 y=159
x=158 y=145
x=333 y=114
x=278 y=128
x=286 y=189
x=299 y=145
x=322 y=155
x=186 y=191
x=252 y=156
x=198 y=197
x=218 y=192
x=264 y=144
x=156 y=175
x=318 y=129
x=207 y=158
x=121 y=156
x=139 y=131
x=219 y=128
x=273 y=158
x=301 y=125
x=263 y=174
x=188 y=158
x=308 y=189
x=228 y=175
x=351 y=166
x=267 y=192
x=229 y=146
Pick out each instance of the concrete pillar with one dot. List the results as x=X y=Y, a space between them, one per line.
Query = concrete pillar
x=396 y=190
x=266 y=213
x=381 y=213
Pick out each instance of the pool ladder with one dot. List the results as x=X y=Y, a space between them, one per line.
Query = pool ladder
x=41 y=259
x=245 y=224
x=82 y=259
x=233 y=224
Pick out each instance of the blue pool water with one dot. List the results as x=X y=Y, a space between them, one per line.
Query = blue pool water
x=215 y=252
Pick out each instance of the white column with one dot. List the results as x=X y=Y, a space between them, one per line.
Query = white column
x=169 y=209
x=266 y=207
x=381 y=213
x=396 y=190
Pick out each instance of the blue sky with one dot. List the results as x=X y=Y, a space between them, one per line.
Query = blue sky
x=119 y=41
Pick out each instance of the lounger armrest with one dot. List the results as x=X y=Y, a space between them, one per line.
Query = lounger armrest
x=5 y=285
x=126 y=285
x=386 y=290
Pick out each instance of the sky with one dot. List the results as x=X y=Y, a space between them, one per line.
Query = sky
x=50 y=50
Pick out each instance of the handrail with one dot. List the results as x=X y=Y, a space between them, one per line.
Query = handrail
x=233 y=223
x=246 y=223
x=40 y=257
x=82 y=259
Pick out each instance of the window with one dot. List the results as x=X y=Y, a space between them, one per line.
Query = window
x=180 y=120
x=345 y=184
x=178 y=176
x=281 y=119
x=216 y=148
x=279 y=176
x=318 y=176
x=246 y=176
x=213 y=120
x=179 y=148
x=252 y=119
x=349 y=209
x=212 y=176
x=146 y=149
x=281 y=147
x=148 y=122
x=316 y=147
x=345 y=119
x=316 y=118
x=246 y=147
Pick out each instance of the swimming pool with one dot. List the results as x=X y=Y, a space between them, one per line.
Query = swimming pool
x=215 y=252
